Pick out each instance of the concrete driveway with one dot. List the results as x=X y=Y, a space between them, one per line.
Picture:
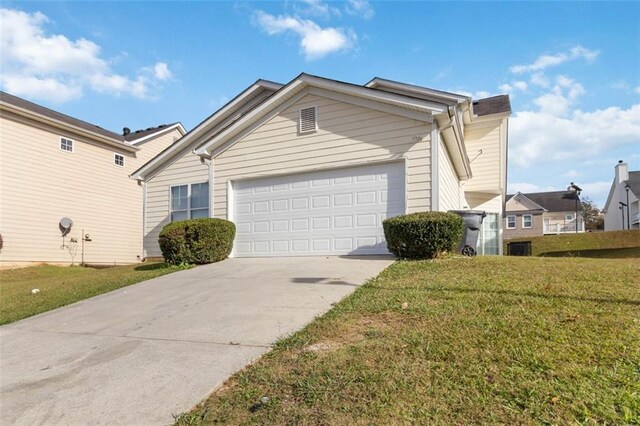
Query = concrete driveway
x=142 y=353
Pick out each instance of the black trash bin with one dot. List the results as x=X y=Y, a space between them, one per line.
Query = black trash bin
x=473 y=222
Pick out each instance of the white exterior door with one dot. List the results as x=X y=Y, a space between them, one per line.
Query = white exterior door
x=332 y=212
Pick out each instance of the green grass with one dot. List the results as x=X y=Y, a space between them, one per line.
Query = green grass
x=590 y=244
x=486 y=340
x=60 y=286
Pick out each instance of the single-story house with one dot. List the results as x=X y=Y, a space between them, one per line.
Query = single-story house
x=622 y=209
x=542 y=213
x=314 y=166
x=68 y=168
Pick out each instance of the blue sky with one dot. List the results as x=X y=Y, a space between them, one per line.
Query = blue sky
x=572 y=69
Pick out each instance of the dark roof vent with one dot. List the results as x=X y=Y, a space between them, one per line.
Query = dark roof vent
x=126 y=131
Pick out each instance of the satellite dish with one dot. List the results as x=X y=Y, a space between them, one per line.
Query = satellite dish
x=65 y=225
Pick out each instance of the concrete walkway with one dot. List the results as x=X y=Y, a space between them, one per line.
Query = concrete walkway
x=142 y=353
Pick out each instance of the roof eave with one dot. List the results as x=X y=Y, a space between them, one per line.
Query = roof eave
x=66 y=126
x=159 y=132
x=303 y=81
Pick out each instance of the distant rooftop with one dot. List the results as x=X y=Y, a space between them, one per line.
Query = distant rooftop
x=493 y=105
x=554 y=201
x=55 y=115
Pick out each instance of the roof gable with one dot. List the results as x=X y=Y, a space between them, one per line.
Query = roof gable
x=519 y=198
x=306 y=83
x=209 y=127
x=554 y=201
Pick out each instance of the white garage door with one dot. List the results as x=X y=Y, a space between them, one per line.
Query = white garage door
x=334 y=212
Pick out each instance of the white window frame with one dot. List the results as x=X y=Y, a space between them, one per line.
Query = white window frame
x=73 y=143
x=189 y=210
x=514 y=221
x=569 y=217
x=315 y=116
x=524 y=226
x=115 y=159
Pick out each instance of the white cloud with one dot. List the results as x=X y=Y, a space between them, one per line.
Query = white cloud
x=315 y=41
x=161 y=71
x=572 y=174
x=42 y=88
x=597 y=191
x=316 y=8
x=526 y=188
x=53 y=67
x=637 y=90
x=546 y=61
x=510 y=88
x=539 y=79
x=561 y=97
x=360 y=8
x=521 y=85
x=541 y=137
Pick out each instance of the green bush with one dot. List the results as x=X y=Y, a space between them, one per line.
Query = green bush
x=197 y=241
x=423 y=235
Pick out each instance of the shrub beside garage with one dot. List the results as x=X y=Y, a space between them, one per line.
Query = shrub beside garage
x=197 y=241
x=423 y=235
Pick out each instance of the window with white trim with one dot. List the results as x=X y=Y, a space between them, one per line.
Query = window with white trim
x=66 y=144
x=118 y=160
x=190 y=201
x=308 y=120
x=568 y=217
x=527 y=221
x=511 y=222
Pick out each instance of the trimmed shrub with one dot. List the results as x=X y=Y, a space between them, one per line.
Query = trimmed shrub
x=423 y=235
x=197 y=241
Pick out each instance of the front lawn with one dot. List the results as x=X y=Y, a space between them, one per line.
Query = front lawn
x=488 y=340
x=61 y=286
x=589 y=244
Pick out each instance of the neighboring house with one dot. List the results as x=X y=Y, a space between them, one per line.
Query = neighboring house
x=542 y=213
x=54 y=166
x=622 y=209
x=313 y=167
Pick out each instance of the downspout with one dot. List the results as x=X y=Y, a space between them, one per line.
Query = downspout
x=435 y=163
x=144 y=216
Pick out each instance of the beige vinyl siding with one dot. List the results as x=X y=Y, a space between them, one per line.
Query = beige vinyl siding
x=486 y=166
x=515 y=206
x=186 y=170
x=40 y=184
x=449 y=185
x=152 y=147
x=347 y=135
x=491 y=203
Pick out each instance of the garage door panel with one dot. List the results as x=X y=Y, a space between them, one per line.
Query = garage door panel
x=332 y=212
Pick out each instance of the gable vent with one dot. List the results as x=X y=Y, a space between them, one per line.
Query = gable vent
x=308 y=120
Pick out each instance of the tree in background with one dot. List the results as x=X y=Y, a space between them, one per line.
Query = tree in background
x=593 y=218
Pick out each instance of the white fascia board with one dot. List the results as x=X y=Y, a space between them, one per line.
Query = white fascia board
x=454 y=141
x=368 y=93
x=162 y=131
x=125 y=146
x=304 y=81
x=381 y=82
x=201 y=129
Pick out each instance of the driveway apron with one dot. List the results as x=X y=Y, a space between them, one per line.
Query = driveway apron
x=141 y=354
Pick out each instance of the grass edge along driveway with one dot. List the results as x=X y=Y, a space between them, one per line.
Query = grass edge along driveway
x=60 y=286
x=456 y=341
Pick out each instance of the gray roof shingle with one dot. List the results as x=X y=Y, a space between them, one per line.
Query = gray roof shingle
x=634 y=183
x=555 y=201
x=493 y=105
